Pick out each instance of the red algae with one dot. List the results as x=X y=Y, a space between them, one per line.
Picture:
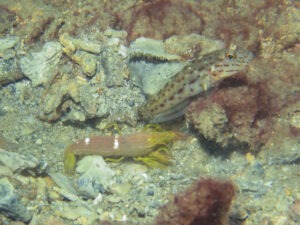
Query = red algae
x=206 y=202
x=252 y=105
x=161 y=19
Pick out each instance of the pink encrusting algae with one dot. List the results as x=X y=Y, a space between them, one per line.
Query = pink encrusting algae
x=196 y=77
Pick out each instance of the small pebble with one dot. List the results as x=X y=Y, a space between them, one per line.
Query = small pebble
x=39 y=141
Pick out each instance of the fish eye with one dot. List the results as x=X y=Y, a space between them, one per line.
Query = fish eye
x=230 y=55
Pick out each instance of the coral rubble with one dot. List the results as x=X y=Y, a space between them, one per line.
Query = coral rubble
x=40 y=67
x=59 y=64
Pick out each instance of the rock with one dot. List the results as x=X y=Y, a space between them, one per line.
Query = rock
x=81 y=52
x=152 y=76
x=20 y=163
x=72 y=44
x=79 y=213
x=119 y=103
x=106 y=94
x=132 y=169
x=152 y=63
x=8 y=43
x=114 y=66
x=63 y=182
x=40 y=67
x=109 y=32
x=58 y=97
x=10 y=204
x=277 y=153
x=7 y=46
x=9 y=71
x=145 y=46
x=95 y=177
x=211 y=123
x=5 y=172
x=78 y=100
x=87 y=61
x=120 y=189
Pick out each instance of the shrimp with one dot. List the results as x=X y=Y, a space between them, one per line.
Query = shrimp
x=137 y=145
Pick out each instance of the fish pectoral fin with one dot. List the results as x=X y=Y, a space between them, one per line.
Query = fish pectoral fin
x=172 y=113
